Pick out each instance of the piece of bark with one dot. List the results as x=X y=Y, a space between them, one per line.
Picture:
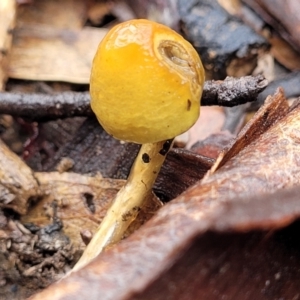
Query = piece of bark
x=226 y=45
x=281 y=16
x=247 y=193
x=18 y=186
x=43 y=107
x=7 y=24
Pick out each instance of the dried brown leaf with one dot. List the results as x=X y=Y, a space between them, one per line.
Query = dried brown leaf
x=81 y=203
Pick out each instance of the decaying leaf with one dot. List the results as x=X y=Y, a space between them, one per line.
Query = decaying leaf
x=81 y=201
x=249 y=192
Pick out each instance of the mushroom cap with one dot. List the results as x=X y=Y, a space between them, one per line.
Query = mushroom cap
x=146 y=82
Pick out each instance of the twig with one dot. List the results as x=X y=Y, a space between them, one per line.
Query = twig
x=233 y=91
x=43 y=107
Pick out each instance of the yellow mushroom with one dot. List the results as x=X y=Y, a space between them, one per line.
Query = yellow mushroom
x=146 y=85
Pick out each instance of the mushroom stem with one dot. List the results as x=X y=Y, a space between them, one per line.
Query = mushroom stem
x=129 y=199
